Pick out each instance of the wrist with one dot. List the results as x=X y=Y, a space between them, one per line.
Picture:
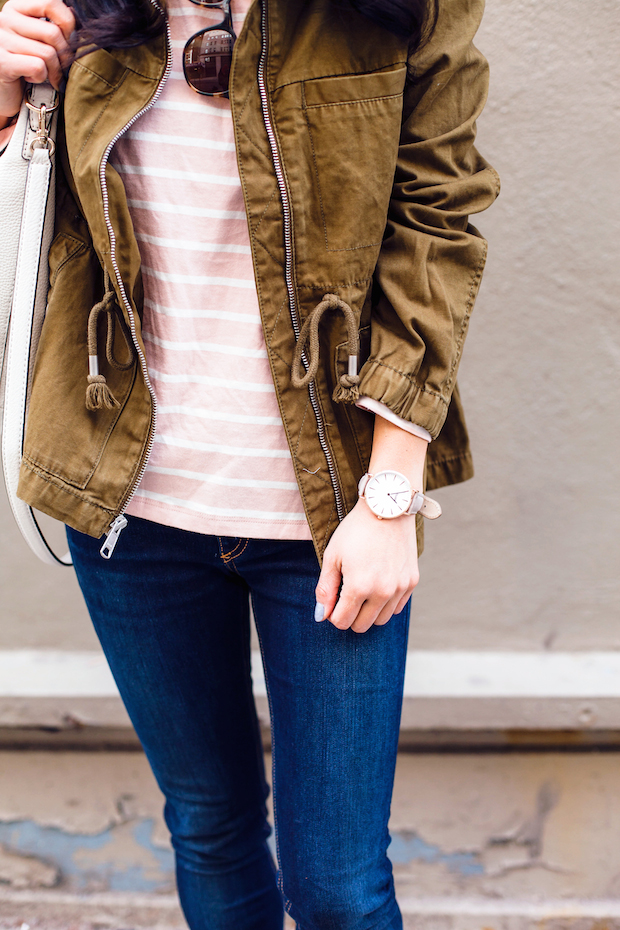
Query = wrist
x=11 y=96
x=6 y=121
x=395 y=449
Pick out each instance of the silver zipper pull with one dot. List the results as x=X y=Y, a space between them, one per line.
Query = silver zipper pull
x=116 y=528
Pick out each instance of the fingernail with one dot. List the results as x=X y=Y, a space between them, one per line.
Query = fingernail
x=319 y=613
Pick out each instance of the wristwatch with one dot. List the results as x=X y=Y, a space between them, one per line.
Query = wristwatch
x=389 y=495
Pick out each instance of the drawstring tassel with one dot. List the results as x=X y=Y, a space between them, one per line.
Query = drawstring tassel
x=347 y=389
x=98 y=394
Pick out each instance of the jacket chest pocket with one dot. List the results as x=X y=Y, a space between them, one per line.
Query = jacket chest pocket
x=354 y=125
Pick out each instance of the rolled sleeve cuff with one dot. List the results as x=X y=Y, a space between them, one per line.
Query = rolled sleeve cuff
x=382 y=410
x=403 y=395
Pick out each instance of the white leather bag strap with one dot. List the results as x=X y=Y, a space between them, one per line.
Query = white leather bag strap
x=27 y=312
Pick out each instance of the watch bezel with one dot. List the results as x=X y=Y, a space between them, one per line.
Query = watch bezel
x=374 y=477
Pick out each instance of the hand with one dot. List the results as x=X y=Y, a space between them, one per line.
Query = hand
x=31 y=48
x=377 y=562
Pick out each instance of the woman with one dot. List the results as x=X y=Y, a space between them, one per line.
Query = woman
x=291 y=272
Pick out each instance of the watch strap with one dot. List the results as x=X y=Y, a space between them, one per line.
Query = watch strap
x=420 y=503
x=361 y=487
x=429 y=508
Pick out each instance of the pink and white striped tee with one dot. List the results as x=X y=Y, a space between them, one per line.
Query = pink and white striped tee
x=220 y=463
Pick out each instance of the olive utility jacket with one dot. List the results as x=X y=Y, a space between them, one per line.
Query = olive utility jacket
x=358 y=182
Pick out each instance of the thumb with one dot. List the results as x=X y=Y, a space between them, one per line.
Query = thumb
x=327 y=587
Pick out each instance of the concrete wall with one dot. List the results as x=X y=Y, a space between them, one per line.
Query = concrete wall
x=527 y=553
x=479 y=842
x=531 y=825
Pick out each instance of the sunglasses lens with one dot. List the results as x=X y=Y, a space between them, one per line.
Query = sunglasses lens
x=207 y=61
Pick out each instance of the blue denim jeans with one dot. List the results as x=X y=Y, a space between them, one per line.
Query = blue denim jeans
x=171 y=610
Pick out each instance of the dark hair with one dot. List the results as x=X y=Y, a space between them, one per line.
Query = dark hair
x=125 y=23
x=410 y=19
x=115 y=23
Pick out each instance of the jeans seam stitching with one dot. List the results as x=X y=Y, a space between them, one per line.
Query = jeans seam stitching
x=239 y=554
x=280 y=881
x=229 y=556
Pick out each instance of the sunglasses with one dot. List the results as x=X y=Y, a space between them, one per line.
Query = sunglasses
x=207 y=56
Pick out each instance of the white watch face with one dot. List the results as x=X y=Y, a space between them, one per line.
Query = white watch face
x=388 y=494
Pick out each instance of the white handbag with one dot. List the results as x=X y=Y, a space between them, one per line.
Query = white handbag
x=27 y=218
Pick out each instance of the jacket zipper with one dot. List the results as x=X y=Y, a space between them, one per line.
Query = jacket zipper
x=288 y=265
x=120 y=521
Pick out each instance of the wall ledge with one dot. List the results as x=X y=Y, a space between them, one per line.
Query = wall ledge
x=161 y=912
x=473 y=699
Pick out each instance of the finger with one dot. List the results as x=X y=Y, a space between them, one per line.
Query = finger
x=40 y=52
x=347 y=609
x=403 y=602
x=371 y=613
x=413 y=583
x=60 y=14
x=327 y=586
x=388 y=611
x=364 y=602
x=54 y=10
x=29 y=27
x=14 y=67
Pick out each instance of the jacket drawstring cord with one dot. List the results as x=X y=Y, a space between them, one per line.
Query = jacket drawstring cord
x=347 y=389
x=98 y=394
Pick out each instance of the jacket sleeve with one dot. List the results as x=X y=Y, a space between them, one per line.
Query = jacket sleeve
x=431 y=260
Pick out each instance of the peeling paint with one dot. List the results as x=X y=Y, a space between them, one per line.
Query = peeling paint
x=22 y=871
x=407 y=847
x=520 y=846
x=121 y=858
x=529 y=832
x=125 y=858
